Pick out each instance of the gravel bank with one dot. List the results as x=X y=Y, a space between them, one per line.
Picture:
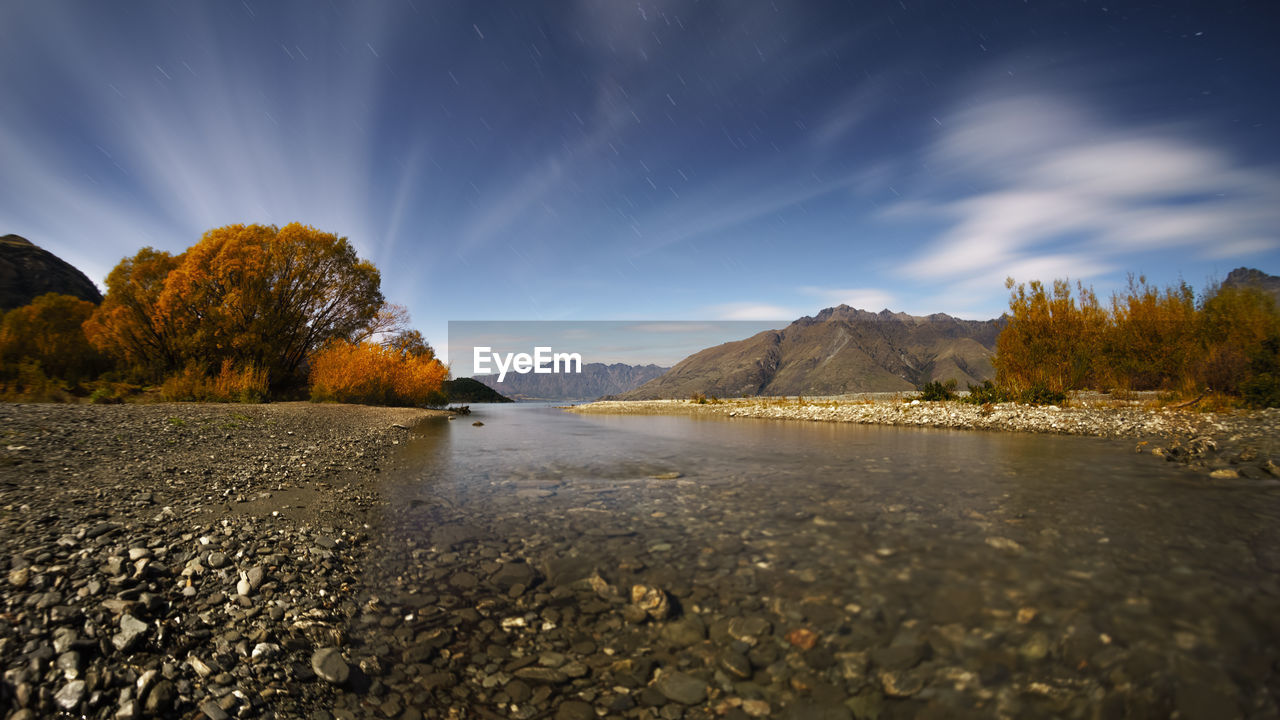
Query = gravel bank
x=1229 y=445
x=183 y=560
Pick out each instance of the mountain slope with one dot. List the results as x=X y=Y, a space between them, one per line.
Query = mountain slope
x=28 y=271
x=595 y=380
x=841 y=350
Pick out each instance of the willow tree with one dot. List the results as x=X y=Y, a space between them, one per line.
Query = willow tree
x=1051 y=340
x=256 y=296
x=128 y=325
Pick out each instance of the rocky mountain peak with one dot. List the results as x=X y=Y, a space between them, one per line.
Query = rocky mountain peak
x=28 y=271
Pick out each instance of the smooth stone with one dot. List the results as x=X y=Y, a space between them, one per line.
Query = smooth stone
x=735 y=664
x=513 y=574
x=575 y=710
x=682 y=688
x=689 y=630
x=518 y=691
x=547 y=675
x=328 y=665
x=463 y=580
x=749 y=629
x=551 y=659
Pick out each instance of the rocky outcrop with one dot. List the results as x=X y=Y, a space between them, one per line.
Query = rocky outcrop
x=27 y=271
x=1252 y=277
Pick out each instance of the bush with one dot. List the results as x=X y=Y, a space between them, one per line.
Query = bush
x=372 y=374
x=246 y=384
x=1042 y=395
x=104 y=396
x=1149 y=339
x=700 y=398
x=986 y=394
x=27 y=382
x=935 y=391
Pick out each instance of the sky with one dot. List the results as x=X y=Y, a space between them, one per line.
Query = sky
x=687 y=160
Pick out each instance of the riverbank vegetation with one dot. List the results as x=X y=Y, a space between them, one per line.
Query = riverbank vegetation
x=1224 y=345
x=243 y=315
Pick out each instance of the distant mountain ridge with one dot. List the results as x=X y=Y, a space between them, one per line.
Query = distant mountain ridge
x=1251 y=277
x=28 y=271
x=596 y=380
x=840 y=350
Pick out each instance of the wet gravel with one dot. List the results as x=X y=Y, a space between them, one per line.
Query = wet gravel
x=296 y=560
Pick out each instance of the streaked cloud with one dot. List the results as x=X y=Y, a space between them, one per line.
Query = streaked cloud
x=752 y=311
x=871 y=299
x=1055 y=191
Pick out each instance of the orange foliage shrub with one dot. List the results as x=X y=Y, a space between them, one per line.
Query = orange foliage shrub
x=47 y=334
x=246 y=384
x=376 y=375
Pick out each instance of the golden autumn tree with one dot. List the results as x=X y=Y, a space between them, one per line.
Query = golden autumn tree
x=48 y=332
x=267 y=297
x=128 y=324
x=1151 y=342
x=1240 y=334
x=1051 y=341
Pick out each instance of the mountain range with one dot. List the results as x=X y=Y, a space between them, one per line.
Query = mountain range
x=840 y=350
x=595 y=380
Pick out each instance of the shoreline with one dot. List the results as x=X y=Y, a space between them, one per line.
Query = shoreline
x=1243 y=444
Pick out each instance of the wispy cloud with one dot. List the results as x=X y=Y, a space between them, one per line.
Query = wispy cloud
x=1059 y=192
x=861 y=298
x=752 y=311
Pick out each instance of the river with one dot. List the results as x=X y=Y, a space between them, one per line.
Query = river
x=833 y=570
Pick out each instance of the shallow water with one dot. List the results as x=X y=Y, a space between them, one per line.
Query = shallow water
x=1029 y=573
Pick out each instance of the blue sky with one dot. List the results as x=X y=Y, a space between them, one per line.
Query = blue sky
x=657 y=160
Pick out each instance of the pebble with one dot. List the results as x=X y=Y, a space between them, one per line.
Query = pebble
x=328 y=665
x=71 y=695
x=682 y=688
x=131 y=631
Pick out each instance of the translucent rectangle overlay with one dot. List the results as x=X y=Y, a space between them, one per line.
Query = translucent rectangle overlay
x=632 y=342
